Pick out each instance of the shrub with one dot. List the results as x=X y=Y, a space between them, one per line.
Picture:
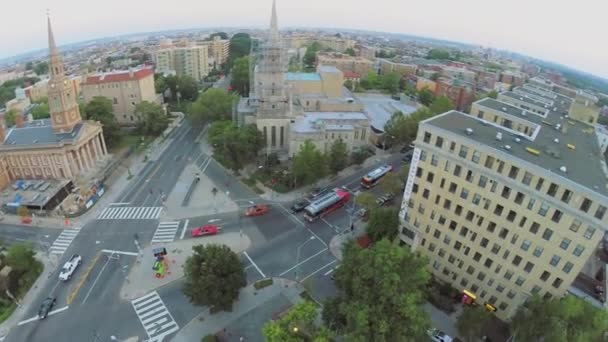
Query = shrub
x=263 y=283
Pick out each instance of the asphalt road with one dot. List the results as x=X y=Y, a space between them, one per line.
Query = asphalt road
x=41 y=238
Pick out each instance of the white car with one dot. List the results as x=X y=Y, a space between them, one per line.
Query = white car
x=70 y=267
x=439 y=336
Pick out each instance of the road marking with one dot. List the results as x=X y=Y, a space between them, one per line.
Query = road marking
x=96 y=279
x=84 y=277
x=154 y=316
x=120 y=203
x=255 y=265
x=291 y=215
x=130 y=213
x=50 y=314
x=64 y=240
x=328 y=272
x=330 y=225
x=206 y=163
x=112 y=251
x=303 y=261
x=214 y=220
x=319 y=270
x=181 y=237
x=165 y=232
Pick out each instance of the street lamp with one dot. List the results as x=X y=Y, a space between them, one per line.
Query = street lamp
x=298 y=256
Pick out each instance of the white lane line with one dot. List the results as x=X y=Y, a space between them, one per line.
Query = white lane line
x=318 y=238
x=96 y=279
x=49 y=314
x=303 y=261
x=328 y=272
x=214 y=220
x=291 y=215
x=319 y=270
x=112 y=251
x=120 y=203
x=181 y=237
x=206 y=165
x=254 y=265
x=330 y=225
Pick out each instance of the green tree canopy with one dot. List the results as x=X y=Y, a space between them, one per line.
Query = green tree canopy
x=212 y=105
x=10 y=116
x=214 y=275
x=309 y=164
x=235 y=146
x=41 y=68
x=310 y=56
x=383 y=224
x=41 y=111
x=391 y=183
x=29 y=65
x=426 y=96
x=379 y=292
x=100 y=109
x=240 y=75
x=151 y=117
x=338 y=156
x=441 y=104
x=367 y=200
x=186 y=86
x=438 y=54
x=471 y=322
x=567 y=319
x=349 y=51
x=21 y=257
x=298 y=325
x=240 y=45
x=390 y=82
x=492 y=94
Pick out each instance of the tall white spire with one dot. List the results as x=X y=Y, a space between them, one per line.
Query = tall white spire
x=274 y=26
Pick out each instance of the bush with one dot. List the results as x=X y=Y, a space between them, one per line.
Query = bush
x=210 y=338
x=263 y=283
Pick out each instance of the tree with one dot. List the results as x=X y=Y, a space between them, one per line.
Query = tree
x=188 y=88
x=366 y=200
x=297 y=325
x=441 y=104
x=213 y=276
x=383 y=224
x=390 y=182
x=310 y=56
x=235 y=146
x=471 y=323
x=240 y=75
x=10 y=116
x=492 y=94
x=338 y=156
x=438 y=54
x=349 y=51
x=561 y=319
x=41 y=68
x=379 y=292
x=151 y=118
x=309 y=164
x=390 y=82
x=401 y=128
x=240 y=45
x=426 y=96
x=212 y=105
x=29 y=65
x=41 y=111
x=100 y=109
x=21 y=257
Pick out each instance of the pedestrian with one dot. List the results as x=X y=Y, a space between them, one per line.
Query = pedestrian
x=352 y=227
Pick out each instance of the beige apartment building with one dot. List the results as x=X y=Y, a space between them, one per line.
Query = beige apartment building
x=190 y=61
x=505 y=202
x=219 y=49
x=358 y=65
x=403 y=69
x=125 y=88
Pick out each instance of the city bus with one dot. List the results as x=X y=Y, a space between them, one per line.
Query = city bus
x=325 y=204
x=372 y=178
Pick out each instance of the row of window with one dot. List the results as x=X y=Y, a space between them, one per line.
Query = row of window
x=498 y=165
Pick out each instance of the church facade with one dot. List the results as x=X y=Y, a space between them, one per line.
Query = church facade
x=61 y=147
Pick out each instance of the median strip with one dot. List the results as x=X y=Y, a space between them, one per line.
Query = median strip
x=84 y=277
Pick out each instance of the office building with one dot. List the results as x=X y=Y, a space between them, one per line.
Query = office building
x=190 y=61
x=505 y=202
x=344 y=63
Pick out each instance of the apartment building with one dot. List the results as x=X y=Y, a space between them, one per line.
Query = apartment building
x=184 y=61
x=125 y=88
x=346 y=63
x=459 y=73
x=504 y=202
x=218 y=50
x=387 y=66
x=461 y=93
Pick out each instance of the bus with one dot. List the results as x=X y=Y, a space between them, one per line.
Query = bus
x=372 y=178
x=325 y=204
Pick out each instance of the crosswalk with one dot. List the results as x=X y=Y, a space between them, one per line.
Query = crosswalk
x=165 y=232
x=154 y=316
x=130 y=213
x=64 y=240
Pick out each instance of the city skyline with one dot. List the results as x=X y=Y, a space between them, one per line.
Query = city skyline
x=534 y=31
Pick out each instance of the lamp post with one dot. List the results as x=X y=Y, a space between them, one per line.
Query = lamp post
x=298 y=256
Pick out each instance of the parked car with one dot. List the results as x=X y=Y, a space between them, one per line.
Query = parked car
x=437 y=335
x=318 y=191
x=70 y=267
x=407 y=148
x=299 y=205
x=256 y=210
x=46 y=306
x=385 y=199
x=407 y=158
x=209 y=229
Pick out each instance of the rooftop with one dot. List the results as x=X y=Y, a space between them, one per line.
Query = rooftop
x=510 y=109
x=302 y=76
x=119 y=76
x=38 y=132
x=583 y=164
x=525 y=99
x=328 y=69
x=312 y=121
x=380 y=108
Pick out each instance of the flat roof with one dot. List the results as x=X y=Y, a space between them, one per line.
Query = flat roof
x=337 y=121
x=510 y=109
x=380 y=108
x=525 y=99
x=38 y=132
x=302 y=76
x=583 y=164
x=328 y=69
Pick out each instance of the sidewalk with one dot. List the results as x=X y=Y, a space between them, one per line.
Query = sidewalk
x=249 y=313
x=141 y=279
x=28 y=300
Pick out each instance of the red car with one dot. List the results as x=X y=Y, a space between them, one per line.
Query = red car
x=209 y=229
x=256 y=210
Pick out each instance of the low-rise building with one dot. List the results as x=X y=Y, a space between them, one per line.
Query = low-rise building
x=458 y=73
x=422 y=83
x=359 y=65
x=125 y=88
x=404 y=69
x=461 y=93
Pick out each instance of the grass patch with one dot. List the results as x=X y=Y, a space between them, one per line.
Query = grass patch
x=27 y=279
x=263 y=283
x=6 y=311
x=210 y=338
x=132 y=140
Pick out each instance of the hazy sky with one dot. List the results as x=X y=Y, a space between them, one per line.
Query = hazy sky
x=566 y=31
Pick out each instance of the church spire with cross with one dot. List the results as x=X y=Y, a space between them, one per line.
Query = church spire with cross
x=274 y=25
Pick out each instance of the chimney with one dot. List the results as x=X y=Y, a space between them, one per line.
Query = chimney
x=19 y=120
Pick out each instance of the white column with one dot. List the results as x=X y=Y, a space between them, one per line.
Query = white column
x=67 y=167
x=98 y=153
x=85 y=163
x=88 y=154
x=103 y=144
x=76 y=158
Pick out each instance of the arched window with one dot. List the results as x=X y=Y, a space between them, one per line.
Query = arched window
x=273 y=136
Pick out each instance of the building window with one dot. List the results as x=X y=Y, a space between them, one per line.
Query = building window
x=476 y=156
x=491 y=227
x=436 y=234
x=488 y=263
x=477 y=256
x=484 y=242
x=513 y=172
x=476 y=199
x=508 y=275
x=586 y=205
x=495 y=248
x=434 y=160
x=447 y=239
x=520 y=281
x=525 y=245
x=547 y=234
x=500 y=288
x=565 y=243
x=423 y=155
x=557 y=216
x=489 y=162
x=567 y=267
x=516 y=260
x=470 y=270
x=557 y=282
x=544 y=207
x=446 y=168
x=469 y=177
x=503 y=306
x=427 y=137
x=482 y=181
x=555 y=260
x=566 y=196
x=501 y=166
x=463 y=151
x=498 y=210
x=452 y=146
x=552 y=190
x=430 y=177
x=506 y=192
x=600 y=212
x=457 y=171
x=545 y=276
x=578 y=250
x=282 y=136
x=492 y=300
x=535 y=289
x=273 y=136
x=539 y=184
x=522 y=221
x=519 y=198
x=527 y=178
x=589 y=232
x=531 y=203
x=529 y=266
x=538 y=251
x=481 y=276
x=439 y=142
x=575 y=225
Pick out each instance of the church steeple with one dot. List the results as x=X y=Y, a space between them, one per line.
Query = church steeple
x=63 y=107
x=274 y=26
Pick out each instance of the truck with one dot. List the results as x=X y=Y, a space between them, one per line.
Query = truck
x=325 y=204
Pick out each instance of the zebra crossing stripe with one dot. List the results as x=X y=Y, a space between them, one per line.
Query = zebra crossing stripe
x=154 y=316
x=63 y=241
x=130 y=213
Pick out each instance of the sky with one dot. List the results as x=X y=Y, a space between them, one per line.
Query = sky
x=569 y=32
